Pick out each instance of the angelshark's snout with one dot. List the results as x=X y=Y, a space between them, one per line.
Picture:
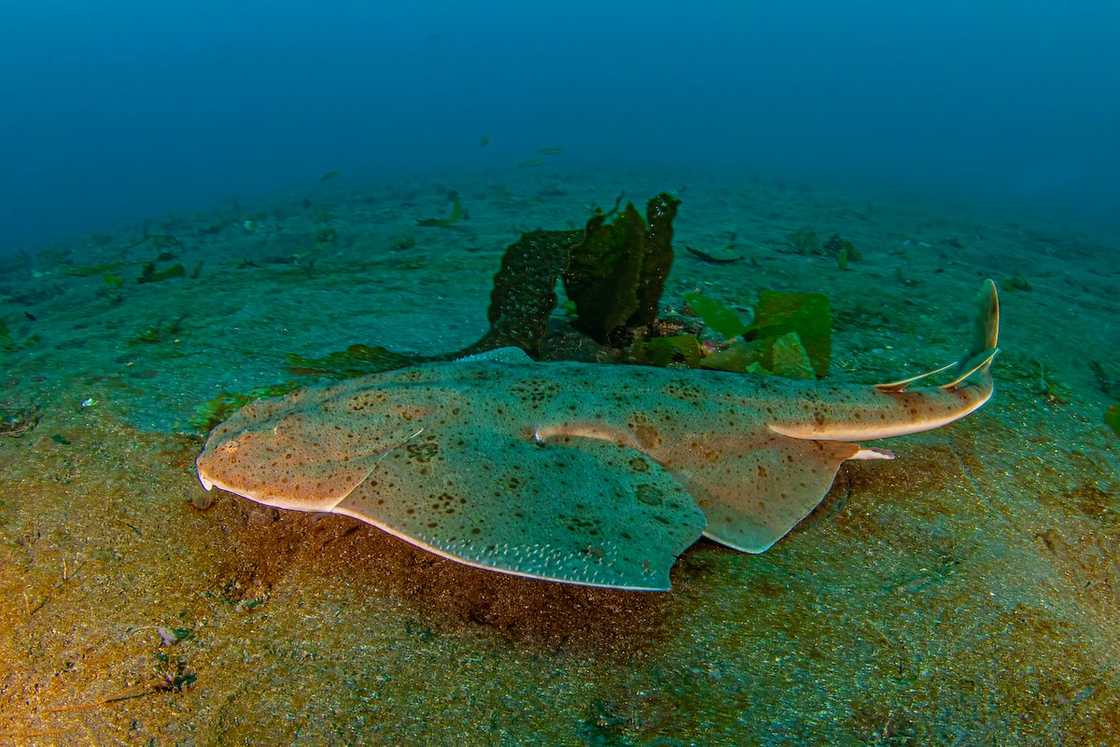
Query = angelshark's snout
x=237 y=460
x=305 y=453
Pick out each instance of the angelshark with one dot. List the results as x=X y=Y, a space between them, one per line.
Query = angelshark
x=590 y=474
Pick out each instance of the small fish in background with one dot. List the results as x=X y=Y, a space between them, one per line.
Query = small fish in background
x=483 y=141
x=530 y=163
x=550 y=150
x=328 y=176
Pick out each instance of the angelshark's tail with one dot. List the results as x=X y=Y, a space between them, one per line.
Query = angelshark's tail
x=981 y=351
x=792 y=470
x=985 y=337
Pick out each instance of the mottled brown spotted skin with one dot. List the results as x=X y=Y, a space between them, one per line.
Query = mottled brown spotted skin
x=584 y=473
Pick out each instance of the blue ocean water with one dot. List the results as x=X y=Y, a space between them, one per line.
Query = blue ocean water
x=118 y=111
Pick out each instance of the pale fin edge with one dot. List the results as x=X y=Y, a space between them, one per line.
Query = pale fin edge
x=901 y=384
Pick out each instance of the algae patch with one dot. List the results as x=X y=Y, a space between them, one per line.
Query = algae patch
x=454 y=216
x=716 y=315
x=791 y=336
x=1112 y=418
x=8 y=342
x=617 y=272
x=523 y=295
x=149 y=273
x=807 y=314
x=209 y=414
x=356 y=360
x=804 y=241
x=664 y=351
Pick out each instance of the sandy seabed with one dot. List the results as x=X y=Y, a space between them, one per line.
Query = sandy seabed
x=967 y=593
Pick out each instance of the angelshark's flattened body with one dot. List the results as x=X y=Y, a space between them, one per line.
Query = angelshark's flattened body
x=591 y=474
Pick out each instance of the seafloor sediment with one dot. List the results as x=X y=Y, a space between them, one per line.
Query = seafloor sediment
x=966 y=593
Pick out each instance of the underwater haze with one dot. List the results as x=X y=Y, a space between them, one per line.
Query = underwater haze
x=593 y=373
x=124 y=110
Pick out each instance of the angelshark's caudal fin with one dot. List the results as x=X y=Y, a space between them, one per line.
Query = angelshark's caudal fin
x=985 y=336
x=982 y=346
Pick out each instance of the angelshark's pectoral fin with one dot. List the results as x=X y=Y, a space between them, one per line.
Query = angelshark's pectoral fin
x=754 y=496
x=575 y=510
